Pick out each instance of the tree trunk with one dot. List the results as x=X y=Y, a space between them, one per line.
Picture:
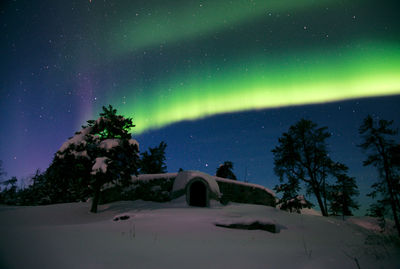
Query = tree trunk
x=320 y=202
x=96 y=196
x=324 y=193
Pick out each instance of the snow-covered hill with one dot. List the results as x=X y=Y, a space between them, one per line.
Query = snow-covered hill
x=173 y=235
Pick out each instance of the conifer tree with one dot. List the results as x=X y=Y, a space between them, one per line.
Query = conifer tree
x=9 y=194
x=225 y=170
x=153 y=161
x=341 y=193
x=38 y=193
x=102 y=152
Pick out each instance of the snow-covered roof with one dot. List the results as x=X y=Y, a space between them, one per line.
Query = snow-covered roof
x=245 y=184
x=149 y=177
x=184 y=177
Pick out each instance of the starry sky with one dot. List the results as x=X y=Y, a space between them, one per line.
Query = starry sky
x=216 y=80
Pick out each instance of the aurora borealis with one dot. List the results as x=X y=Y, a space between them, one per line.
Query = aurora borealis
x=181 y=67
x=305 y=79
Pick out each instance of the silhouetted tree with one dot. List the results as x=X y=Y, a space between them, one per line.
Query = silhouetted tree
x=302 y=156
x=341 y=193
x=38 y=192
x=68 y=177
x=379 y=143
x=225 y=170
x=9 y=193
x=153 y=161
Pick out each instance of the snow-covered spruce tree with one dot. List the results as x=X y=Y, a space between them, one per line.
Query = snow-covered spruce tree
x=341 y=193
x=153 y=161
x=102 y=152
x=378 y=140
x=302 y=156
x=225 y=170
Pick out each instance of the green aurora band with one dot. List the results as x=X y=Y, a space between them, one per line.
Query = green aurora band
x=366 y=69
x=189 y=20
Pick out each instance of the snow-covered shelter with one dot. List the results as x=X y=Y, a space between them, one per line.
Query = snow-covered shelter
x=198 y=188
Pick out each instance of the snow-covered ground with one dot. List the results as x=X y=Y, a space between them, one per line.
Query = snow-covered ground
x=173 y=235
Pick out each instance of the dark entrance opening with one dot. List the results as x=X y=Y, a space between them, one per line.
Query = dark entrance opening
x=198 y=194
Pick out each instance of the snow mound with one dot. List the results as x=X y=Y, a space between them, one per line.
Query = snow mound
x=368 y=223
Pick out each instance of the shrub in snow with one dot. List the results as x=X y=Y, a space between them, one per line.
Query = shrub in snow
x=290 y=200
x=294 y=204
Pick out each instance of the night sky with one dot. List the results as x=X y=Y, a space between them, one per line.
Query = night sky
x=216 y=80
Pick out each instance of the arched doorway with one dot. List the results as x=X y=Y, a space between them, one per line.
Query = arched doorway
x=198 y=194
